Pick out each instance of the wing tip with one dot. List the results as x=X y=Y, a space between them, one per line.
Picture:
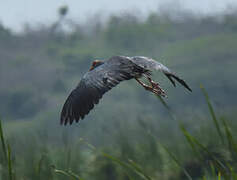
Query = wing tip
x=63 y=121
x=68 y=120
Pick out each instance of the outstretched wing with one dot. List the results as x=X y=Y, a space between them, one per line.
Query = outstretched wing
x=94 y=84
x=150 y=64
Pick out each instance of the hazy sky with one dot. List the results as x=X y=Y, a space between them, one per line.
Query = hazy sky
x=15 y=13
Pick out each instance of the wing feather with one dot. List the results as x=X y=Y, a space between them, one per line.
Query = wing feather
x=94 y=84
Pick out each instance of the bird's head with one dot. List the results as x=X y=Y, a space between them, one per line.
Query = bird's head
x=95 y=64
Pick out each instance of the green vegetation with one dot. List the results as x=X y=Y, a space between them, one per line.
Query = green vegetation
x=131 y=134
x=147 y=160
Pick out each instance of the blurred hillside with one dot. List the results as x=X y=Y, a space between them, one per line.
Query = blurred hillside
x=40 y=66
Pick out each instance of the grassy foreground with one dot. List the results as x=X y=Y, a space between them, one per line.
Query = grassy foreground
x=209 y=154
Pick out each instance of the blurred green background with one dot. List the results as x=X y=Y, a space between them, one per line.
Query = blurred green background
x=41 y=65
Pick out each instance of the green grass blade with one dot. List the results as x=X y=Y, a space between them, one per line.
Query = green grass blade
x=173 y=157
x=233 y=173
x=231 y=143
x=137 y=168
x=10 y=171
x=210 y=154
x=213 y=171
x=176 y=161
x=167 y=107
x=129 y=177
x=212 y=113
x=133 y=167
x=204 y=149
x=69 y=174
x=228 y=134
x=219 y=175
x=62 y=173
x=190 y=140
x=74 y=175
x=163 y=102
x=4 y=149
x=39 y=166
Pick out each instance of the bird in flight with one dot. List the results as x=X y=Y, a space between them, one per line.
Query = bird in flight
x=104 y=75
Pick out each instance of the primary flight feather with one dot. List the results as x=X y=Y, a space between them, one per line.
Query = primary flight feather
x=104 y=75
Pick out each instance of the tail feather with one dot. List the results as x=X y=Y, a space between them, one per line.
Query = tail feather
x=181 y=81
x=171 y=80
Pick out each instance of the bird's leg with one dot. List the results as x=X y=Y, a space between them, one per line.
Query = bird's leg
x=151 y=88
x=144 y=85
x=156 y=86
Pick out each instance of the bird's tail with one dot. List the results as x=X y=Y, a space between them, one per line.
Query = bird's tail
x=181 y=81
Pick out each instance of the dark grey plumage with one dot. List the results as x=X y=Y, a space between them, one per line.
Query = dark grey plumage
x=105 y=76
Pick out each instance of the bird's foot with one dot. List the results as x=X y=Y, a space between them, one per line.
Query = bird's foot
x=158 y=91
x=156 y=88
